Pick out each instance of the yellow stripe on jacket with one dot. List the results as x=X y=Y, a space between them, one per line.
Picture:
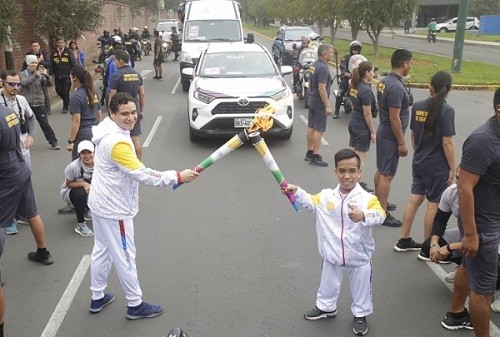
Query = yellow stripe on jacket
x=124 y=154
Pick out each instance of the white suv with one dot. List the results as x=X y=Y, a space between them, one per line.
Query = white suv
x=451 y=24
x=230 y=82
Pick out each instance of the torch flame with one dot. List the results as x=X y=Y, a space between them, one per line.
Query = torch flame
x=262 y=120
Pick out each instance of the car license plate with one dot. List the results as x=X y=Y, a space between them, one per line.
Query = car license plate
x=242 y=122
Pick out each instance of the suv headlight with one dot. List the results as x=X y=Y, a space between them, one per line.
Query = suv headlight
x=280 y=95
x=207 y=99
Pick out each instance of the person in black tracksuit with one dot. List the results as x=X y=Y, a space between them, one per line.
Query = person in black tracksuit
x=61 y=62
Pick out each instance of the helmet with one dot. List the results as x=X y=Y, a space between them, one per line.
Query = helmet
x=355 y=45
x=117 y=39
x=313 y=36
x=135 y=29
x=145 y=27
x=106 y=32
x=433 y=19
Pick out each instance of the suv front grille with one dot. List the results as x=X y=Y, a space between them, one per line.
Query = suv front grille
x=235 y=108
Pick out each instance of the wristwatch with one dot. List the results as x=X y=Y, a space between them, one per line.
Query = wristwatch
x=449 y=248
x=71 y=141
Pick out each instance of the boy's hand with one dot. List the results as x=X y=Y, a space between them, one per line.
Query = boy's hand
x=355 y=214
x=289 y=188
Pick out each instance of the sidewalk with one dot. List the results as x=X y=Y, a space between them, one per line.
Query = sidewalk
x=400 y=32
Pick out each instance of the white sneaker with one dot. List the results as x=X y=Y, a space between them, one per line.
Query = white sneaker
x=495 y=306
x=450 y=277
x=83 y=230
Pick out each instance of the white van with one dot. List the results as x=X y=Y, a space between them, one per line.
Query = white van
x=207 y=22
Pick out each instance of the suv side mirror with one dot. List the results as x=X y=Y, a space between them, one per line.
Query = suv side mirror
x=250 y=38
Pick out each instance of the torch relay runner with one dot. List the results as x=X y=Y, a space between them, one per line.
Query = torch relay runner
x=345 y=216
x=114 y=202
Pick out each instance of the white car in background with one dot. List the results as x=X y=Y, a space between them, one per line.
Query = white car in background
x=230 y=82
x=451 y=24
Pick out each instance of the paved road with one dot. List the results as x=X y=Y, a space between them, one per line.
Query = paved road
x=226 y=255
x=484 y=54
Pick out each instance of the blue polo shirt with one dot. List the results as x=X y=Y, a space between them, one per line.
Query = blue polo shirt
x=360 y=96
x=319 y=73
x=79 y=104
x=391 y=92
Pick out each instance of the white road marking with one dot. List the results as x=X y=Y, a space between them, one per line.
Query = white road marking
x=153 y=131
x=323 y=140
x=144 y=73
x=176 y=85
x=441 y=273
x=62 y=307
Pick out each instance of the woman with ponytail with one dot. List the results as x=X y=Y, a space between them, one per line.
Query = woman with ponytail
x=361 y=127
x=432 y=125
x=84 y=108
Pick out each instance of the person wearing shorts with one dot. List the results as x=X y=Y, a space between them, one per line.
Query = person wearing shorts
x=361 y=128
x=16 y=192
x=394 y=111
x=433 y=168
x=478 y=199
x=158 y=56
x=127 y=79
x=319 y=105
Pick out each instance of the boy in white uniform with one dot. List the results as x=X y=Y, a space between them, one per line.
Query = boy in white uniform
x=344 y=220
x=114 y=201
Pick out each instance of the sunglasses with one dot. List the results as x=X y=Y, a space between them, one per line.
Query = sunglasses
x=14 y=84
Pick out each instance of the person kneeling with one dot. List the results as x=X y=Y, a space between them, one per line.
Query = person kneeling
x=75 y=189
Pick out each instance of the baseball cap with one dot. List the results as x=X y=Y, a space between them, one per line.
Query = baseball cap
x=85 y=145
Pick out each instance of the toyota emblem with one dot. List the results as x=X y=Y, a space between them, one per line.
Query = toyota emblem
x=243 y=101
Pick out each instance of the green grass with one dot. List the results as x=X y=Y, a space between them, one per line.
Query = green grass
x=423 y=65
x=473 y=36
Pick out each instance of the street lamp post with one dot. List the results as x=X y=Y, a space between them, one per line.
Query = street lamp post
x=459 y=36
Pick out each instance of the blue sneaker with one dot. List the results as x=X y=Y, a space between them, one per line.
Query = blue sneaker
x=144 y=310
x=97 y=305
x=12 y=229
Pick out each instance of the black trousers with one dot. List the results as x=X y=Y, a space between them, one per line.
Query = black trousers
x=78 y=198
x=41 y=117
x=63 y=85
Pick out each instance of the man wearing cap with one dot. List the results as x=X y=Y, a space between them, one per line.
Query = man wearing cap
x=478 y=200
x=75 y=189
x=43 y=60
x=33 y=80
x=61 y=62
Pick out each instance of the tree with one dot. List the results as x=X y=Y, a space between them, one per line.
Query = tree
x=67 y=18
x=484 y=7
x=351 y=10
x=378 y=14
x=10 y=13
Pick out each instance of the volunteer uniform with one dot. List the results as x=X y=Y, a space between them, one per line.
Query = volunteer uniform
x=344 y=245
x=360 y=135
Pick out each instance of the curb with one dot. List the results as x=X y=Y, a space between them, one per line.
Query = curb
x=494 y=45
x=488 y=87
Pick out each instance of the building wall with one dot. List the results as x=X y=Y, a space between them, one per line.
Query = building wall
x=115 y=15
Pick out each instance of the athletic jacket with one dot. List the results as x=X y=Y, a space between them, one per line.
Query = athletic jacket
x=341 y=241
x=117 y=173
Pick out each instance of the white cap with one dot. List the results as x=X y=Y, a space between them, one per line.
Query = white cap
x=31 y=59
x=85 y=145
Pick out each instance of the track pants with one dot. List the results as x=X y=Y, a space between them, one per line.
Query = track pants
x=360 y=283
x=114 y=244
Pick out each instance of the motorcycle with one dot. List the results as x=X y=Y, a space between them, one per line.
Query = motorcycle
x=306 y=58
x=100 y=69
x=104 y=50
x=166 y=46
x=146 y=46
x=431 y=36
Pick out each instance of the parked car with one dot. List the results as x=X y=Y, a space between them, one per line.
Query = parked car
x=451 y=24
x=283 y=42
x=230 y=82
x=166 y=26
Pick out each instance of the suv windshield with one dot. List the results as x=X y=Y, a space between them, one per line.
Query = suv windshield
x=296 y=34
x=216 y=30
x=167 y=26
x=237 y=64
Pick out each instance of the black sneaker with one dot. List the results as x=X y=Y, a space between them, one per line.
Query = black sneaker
x=422 y=257
x=391 y=221
x=314 y=314
x=155 y=77
x=336 y=114
x=308 y=156
x=359 y=326
x=366 y=188
x=43 y=258
x=317 y=160
x=405 y=245
x=451 y=323
x=159 y=78
x=391 y=207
